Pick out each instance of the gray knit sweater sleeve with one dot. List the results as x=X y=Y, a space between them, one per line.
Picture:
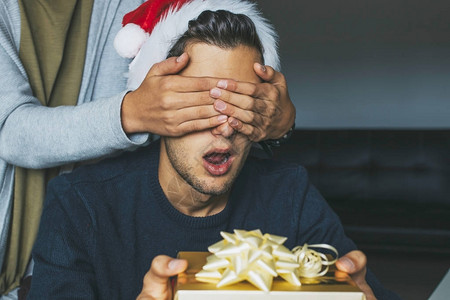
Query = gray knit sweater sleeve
x=34 y=136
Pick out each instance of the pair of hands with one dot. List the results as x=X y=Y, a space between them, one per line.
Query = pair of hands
x=157 y=285
x=171 y=105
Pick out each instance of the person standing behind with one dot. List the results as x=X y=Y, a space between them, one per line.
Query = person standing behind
x=57 y=54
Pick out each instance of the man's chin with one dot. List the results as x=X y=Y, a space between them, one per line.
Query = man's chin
x=211 y=192
x=212 y=189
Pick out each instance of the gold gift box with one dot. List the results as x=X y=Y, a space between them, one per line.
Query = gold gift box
x=333 y=285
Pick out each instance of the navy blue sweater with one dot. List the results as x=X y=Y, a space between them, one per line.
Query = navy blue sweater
x=103 y=224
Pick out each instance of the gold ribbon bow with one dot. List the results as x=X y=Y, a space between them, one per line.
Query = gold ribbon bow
x=258 y=258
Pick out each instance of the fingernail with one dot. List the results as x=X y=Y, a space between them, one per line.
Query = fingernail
x=215 y=92
x=222 y=118
x=262 y=67
x=220 y=105
x=234 y=123
x=347 y=263
x=175 y=264
x=222 y=84
x=180 y=58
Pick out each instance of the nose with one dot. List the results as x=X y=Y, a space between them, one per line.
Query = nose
x=224 y=130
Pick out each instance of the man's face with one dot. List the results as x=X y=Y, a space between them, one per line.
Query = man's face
x=209 y=162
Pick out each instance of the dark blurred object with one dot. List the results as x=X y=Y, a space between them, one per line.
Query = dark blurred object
x=24 y=288
x=391 y=188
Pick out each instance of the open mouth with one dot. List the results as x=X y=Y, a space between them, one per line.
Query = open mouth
x=218 y=162
x=217 y=158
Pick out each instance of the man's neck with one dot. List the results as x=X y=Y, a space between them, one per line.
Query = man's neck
x=193 y=203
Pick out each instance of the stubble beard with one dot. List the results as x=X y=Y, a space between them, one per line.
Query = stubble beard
x=186 y=173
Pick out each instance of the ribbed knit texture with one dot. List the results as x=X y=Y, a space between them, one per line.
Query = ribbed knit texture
x=102 y=225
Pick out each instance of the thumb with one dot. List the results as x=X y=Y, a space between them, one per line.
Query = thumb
x=266 y=73
x=170 y=66
x=353 y=262
x=164 y=267
x=156 y=281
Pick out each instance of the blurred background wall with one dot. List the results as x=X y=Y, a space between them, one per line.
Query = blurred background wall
x=365 y=63
x=371 y=83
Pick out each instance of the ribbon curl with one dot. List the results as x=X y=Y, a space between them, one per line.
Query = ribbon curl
x=313 y=263
x=258 y=258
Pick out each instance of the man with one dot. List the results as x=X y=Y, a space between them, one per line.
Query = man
x=104 y=225
x=58 y=54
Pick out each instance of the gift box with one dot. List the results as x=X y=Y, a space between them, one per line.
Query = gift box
x=333 y=285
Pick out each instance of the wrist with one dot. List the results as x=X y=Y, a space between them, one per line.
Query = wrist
x=282 y=140
x=286 y=122
x=128 y=115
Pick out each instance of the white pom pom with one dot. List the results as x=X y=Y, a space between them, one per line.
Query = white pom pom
x=129 y=40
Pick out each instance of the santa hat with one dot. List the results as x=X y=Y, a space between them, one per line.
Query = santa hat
x=149 y=31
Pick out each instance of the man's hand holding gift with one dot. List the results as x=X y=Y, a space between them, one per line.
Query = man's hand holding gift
x=157 y=284
x=354 y=263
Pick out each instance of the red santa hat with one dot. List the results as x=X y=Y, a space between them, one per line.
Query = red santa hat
x=149 y=31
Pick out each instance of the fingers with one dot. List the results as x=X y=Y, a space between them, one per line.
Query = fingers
x=234 y=111
x=270 y=76
x=261 y=98
x=200 y=124
x=156 y=282
x=172 y=65
x=225 y=130
x=247 y=115
x=191 y=119
x=164 y=267
x=187 y=99
x=242 y=101
x=185 y=84
x=353 y=262
x=254 y=133
x=244 y=88
x=246 y=112
x=194 y=113
x=247 y=122
x=266 y=73
x=172 y=105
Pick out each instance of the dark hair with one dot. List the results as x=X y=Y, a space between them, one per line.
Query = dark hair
x=220 y=28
